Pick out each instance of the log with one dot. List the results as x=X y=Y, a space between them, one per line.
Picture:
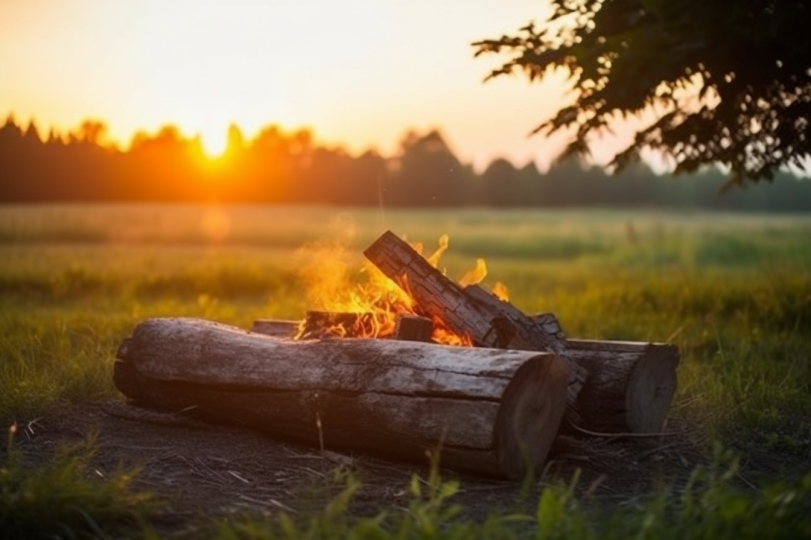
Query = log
x=488 y=324
x=495 y=412
x=629 y=388
x=413 y=328
x=488 y=321
x=277 y=328
x=630 y=385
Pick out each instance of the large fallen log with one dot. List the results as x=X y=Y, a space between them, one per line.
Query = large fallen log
x=495 y=412
x=629 y=388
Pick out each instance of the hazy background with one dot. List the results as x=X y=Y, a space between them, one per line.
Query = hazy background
x=361 y=72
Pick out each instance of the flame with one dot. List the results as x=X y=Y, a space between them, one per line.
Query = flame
x=446 y=336
x=377 y=301
x=476 y=275
x=436 y=255
x=501 y=292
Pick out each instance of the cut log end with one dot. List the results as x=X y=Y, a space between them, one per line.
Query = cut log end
x=413 y=328
x=651 y=388
x=528 y=419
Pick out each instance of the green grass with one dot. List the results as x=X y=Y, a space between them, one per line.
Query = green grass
x=708 y=507
x=732 y=291
x=61 y=499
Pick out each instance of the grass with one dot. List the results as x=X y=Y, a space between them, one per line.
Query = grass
x=732 y=291
x=708 y=509
x=60 y=499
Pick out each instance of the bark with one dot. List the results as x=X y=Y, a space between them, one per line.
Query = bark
x=495 y=412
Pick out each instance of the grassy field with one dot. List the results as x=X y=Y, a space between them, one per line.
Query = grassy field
x=732 y=291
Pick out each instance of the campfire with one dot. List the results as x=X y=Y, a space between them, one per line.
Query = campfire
x=404 y=285
x=382 y=307
x=408 y=362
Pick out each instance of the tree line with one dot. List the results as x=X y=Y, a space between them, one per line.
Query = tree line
x=277 y=166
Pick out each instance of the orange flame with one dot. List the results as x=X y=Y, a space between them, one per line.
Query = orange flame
x=379 y=301
x=501 y=292
x=476 y=275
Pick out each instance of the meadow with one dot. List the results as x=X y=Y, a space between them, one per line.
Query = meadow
x=733 y=291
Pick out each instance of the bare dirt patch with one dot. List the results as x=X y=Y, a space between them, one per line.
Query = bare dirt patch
x=207 y=471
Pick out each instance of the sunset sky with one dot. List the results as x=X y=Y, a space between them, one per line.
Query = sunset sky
x=358 y=72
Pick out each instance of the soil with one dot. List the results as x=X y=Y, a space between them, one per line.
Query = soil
x=208 y=471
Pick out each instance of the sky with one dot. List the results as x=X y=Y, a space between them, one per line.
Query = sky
x=359 y=73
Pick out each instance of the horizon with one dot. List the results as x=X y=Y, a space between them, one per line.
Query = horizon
x=358 y=74
x=222 y=150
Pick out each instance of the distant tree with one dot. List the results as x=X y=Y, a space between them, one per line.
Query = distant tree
x=164 y=168
x=534 y=188
x=90 y=132
x=502 y=186
x=427 y=173
x=729 y=81
x=369 y=173
x=573 y=182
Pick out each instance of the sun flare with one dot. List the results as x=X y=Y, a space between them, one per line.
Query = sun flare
x=215 y=143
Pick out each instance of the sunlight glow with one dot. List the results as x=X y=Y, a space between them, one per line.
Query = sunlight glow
x=215 y=143
x=360 y=73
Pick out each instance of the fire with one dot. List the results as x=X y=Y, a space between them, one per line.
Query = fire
x=378 y=301
x=476 y=275
x=501 y=292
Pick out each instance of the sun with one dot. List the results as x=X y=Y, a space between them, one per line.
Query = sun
x=215 y=142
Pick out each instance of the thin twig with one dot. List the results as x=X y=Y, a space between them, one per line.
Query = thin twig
x=308 y=469
x=622 y=433
x=650 y=452
x=239 y=477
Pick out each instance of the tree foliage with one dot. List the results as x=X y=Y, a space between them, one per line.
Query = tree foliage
x=728 y=81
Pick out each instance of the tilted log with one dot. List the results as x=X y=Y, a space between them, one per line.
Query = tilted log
x=488 y=321
x=495 y=412
x=630 y=384
x=439 y=297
